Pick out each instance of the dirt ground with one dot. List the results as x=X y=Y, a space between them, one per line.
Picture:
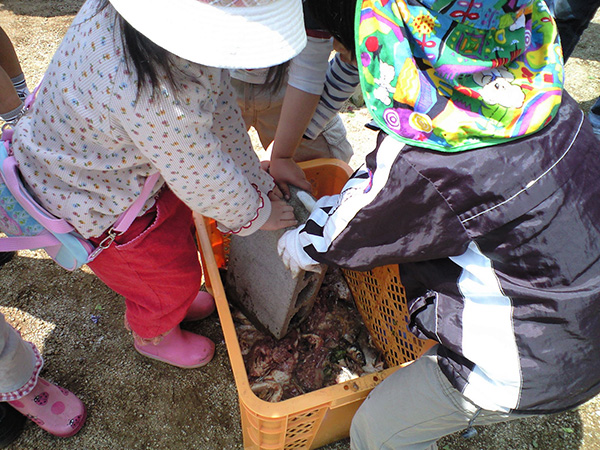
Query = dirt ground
x=135 y=403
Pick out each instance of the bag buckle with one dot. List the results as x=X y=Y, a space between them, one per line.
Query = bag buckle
x=112 y=234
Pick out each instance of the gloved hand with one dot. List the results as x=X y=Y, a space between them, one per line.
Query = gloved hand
x=293 y=255
x=307 y=200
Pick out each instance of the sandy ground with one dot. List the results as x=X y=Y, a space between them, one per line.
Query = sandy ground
x=135 y=403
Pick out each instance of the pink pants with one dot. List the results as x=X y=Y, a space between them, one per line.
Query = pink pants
x=155 y=266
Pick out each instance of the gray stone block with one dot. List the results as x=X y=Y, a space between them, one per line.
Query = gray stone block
x=260 y=285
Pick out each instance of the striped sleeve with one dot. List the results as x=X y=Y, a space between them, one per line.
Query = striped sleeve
x=341 y=81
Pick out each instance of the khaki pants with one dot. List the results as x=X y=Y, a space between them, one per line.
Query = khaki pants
x=413 y=408
x=261 y=109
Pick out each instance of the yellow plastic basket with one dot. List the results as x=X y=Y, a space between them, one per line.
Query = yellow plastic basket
x=323 y=416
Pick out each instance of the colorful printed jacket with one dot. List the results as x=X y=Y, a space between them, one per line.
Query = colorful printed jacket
x=499 y=252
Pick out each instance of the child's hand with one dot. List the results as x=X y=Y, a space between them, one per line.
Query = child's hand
x=277 y=193
x=282 y=214
x=285 y=171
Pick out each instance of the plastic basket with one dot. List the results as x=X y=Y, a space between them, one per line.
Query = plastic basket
x=323 y=416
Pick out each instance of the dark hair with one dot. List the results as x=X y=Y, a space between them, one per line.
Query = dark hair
x=149 y=60
x=337 y=17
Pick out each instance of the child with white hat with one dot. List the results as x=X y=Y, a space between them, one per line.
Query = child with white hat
x=140 y=86
x=483 y=189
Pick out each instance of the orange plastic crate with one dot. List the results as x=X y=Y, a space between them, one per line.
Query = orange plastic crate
x=320 y=417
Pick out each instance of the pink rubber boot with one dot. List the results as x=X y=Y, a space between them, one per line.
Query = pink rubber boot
x=180 y=348
x=52 y=408
x=202 y=307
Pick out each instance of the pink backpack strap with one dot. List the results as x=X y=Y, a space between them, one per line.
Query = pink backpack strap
x=14 y=243
x=127 y=218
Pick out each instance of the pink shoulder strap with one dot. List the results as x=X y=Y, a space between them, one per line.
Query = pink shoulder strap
x=127 y=218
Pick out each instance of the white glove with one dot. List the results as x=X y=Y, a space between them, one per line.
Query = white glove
x=293 y=255
x=307 y=200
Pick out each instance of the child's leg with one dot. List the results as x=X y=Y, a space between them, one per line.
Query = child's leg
x=51 y=407
x=331 y=143
x=413 y=408
x=336 y=136
x=155 y=266
x=265 y=112
x=20 y=363
x=12 y=81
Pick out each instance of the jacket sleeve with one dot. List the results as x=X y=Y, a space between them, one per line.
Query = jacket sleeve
x=387 y=213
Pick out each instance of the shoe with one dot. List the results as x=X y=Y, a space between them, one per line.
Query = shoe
x=594 y=118
x=11 y=424
x=6 y=257
x=52 y=408
x=202 y=307
x=180 y=349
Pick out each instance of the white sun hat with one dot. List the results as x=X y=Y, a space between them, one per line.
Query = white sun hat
x=233 y=34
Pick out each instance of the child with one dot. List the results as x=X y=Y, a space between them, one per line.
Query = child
x=340 y=83
x=305 y=113
x=482 y=189
x=283 y=113
x=130 y=94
